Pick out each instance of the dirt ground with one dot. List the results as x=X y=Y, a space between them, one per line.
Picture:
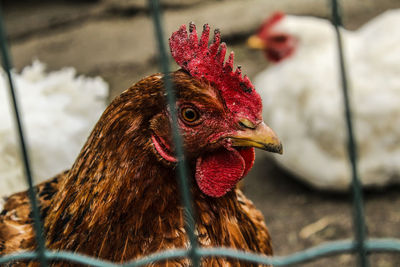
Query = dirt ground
x=114 y=39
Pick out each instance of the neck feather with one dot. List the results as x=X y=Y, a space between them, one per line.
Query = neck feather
x=114 y=182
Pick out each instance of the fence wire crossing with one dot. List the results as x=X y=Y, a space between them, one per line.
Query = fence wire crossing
x=360 y=245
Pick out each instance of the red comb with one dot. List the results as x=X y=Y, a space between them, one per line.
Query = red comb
x=269 y=23
x=207 y=63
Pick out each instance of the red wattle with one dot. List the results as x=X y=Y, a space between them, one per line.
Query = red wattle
x=249 y=155
x=218 y=172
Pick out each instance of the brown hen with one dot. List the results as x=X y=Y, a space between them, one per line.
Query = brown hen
x=120 y=200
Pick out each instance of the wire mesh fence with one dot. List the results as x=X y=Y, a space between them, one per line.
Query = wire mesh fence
x=360 y=245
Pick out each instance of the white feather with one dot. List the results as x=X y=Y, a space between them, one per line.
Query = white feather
x=58 y=111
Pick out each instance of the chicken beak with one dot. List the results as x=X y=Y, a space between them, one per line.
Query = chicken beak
x=256 y=42
x=260 y=136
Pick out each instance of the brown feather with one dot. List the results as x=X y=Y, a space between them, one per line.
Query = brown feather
x=120 y=200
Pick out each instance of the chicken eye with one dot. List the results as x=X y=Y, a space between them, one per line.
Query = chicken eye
x=189 y=114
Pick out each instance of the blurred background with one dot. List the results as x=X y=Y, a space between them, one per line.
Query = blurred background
x=81 y=54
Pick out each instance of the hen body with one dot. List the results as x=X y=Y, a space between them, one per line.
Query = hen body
x=120 y=200
x=304 y=92
x=59 y=111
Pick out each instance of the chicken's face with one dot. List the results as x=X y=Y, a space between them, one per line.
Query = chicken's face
x=219 y=114
x=277 y=45
x=219 y=143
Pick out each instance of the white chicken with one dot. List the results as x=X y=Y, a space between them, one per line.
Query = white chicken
x=303 y=99
x=58 y=111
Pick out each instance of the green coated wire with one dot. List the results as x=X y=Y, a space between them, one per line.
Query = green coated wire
x=383 y=245
x=27 y=170
x=358 y=207
x=184 y=183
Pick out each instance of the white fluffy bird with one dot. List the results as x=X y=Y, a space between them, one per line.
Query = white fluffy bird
x=58 y=111
x=303 y=98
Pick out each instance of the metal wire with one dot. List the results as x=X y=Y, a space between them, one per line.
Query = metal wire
x=360 y=245
x=24 y=154
x=328 y=249
x=358 y=206
x=183 y=181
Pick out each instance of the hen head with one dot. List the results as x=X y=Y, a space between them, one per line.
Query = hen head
x=219 y=114
x=276 y=44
